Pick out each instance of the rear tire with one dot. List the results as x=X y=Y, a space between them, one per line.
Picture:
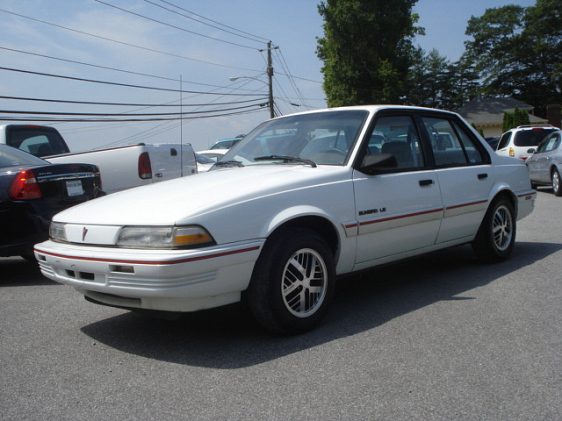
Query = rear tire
x=293 y=282
x=496 y=236
x=556 y=182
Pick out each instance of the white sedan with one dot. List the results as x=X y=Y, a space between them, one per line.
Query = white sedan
x=299 y=201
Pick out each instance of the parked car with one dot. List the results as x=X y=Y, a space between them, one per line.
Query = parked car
x=545 y=165
x=286 y=217
x=204 y=163
x=213 y=154
x=519 y=142
x=32 y=191
x=121 y=168
x=227 y=143
x=493 y=142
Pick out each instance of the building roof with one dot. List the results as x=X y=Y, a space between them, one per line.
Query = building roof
x=489 y=111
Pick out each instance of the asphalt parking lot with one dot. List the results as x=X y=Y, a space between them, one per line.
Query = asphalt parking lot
x=440 y=337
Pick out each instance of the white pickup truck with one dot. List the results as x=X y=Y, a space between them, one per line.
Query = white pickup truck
x=121 y=168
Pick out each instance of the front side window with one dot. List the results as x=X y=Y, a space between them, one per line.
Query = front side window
x=396 y=135
x=451 y=145
x=550 y=143
x=318 y=138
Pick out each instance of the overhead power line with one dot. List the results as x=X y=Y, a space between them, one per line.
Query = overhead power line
x=173 y=26
x=125 y=43
x=114 y=120
x=106 y=67
x=61 y=101
x=126 y=114
x=256 y=37
x=117 y=83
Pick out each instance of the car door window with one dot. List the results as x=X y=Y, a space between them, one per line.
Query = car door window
x=552 y=143
x=450 y=144
x=397 y=135
x=504 y=140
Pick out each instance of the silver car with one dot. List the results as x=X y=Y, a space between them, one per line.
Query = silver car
x=545 y=164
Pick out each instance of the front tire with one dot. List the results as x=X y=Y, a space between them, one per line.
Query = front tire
x=496 y=236
x=556 y=182
x=293 y=282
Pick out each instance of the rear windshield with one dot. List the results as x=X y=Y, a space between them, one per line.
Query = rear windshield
x=12 y=157
x=531 y=137
x=37 y=141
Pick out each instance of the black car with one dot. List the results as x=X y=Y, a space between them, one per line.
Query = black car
x=32 y=190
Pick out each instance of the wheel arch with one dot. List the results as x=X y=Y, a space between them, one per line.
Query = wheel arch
x=505 y=192
x=318 y=223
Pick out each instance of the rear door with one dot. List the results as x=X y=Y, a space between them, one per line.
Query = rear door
x=464 y=172
x=398 y=210
x=543 y=158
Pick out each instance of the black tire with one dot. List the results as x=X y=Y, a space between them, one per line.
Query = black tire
x=293 y=282
x=496 y=236
x=556 y=182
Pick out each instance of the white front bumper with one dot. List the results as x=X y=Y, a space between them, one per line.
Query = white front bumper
x=167 y=280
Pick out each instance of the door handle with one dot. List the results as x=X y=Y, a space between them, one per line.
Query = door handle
x=426 y=182
x=482 y=176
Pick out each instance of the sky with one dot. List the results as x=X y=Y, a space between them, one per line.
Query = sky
x=157 y=57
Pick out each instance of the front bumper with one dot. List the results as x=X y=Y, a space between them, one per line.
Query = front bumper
x=166 y=280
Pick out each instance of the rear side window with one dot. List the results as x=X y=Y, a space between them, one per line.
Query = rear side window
x=37 y=142
x=504 y=141
x=451 y=145
x=531 y=137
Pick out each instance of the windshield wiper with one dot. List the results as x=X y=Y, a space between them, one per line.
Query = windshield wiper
x=228 y=164
x=286 y=159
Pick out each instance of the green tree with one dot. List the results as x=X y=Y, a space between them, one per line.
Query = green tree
x=436 y=82
x=519 y=52
x=464 y=82
x=515 y=119
x=366 y=50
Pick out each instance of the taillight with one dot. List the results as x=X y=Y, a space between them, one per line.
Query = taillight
x=145 y=170
x=511 y=152
x=24 y=186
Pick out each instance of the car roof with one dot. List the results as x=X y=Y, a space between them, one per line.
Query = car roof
x=374 y=108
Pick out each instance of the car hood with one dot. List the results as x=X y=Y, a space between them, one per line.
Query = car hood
x=178 y=200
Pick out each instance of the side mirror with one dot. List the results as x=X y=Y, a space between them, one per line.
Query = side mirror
x=531 y=150
x=372 y=164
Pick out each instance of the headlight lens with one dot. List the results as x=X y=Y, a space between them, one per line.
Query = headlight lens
x=57 y=232
x=164 y=237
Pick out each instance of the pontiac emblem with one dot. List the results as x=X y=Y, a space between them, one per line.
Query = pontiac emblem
x=84 y=232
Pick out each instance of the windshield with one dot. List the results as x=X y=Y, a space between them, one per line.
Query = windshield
x=311 y=139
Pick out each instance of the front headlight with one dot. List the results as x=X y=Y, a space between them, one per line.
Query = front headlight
x=164 y=237
x=57 y=232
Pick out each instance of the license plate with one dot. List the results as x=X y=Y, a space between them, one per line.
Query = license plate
x=74 y=188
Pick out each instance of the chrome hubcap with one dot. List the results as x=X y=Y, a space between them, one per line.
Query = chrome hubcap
x=305 y=280
x=502 y=228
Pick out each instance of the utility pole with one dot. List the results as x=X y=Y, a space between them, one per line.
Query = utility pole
x=270 y=78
